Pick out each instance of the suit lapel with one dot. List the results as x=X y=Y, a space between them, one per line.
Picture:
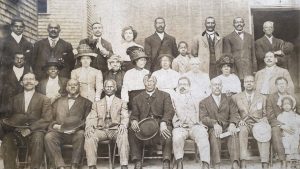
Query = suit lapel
x=32 y=102
x=214 y=106
x=245 y=101
x=77 y=100
x=267 y=42
x=21 y=101
x=204 y=40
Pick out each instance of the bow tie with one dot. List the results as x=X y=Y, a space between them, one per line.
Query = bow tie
x=72 y=98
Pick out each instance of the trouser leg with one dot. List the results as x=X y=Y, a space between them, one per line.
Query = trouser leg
x=200 y=135
x=36 y=149
x=10 y=149
x=215 y=147
x=77 y=144
x=264 y=151
x=179 y=137
x=166 y=146
x=136 y=146
x=277 y=143
x=53 y=142
x=123 y=147
x=243 y=137
x=233 y=148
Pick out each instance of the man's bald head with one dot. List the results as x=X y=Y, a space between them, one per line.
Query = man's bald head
x=53 y=30
x=216 y=86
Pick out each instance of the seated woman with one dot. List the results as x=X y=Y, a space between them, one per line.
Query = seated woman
x=167 y=78
x=90 y=79
x=231 y=82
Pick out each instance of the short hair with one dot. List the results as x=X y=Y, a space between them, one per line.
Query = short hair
x=281 y=78
x=268 y=22
x=159 y=18
x=53 y=23
x=96 y=23
x=238 y=18
x=28 y=74
x=269 y=53
x=78 y=83
x=185 y=78
x=149 y=76
x=184 y=42
x=210 y=17
x=110 y=80
x=17 y=20
x=129 y=28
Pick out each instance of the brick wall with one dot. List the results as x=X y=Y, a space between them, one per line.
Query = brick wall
x=26 y=9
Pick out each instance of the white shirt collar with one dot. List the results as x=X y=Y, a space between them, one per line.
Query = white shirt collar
x=16 y=68
x=75 y=96
x=271 y=68
x=210 y=33
x=95 y=37
x=150 y=93
x=217 y=99
x=53 y=80
x=30 y=92
x=18 y=71
x=251 y=95
x=50 y=39
x=161 y=35
x=269 y=37
x=238 y=31
x=17 y=37
x=110 y=97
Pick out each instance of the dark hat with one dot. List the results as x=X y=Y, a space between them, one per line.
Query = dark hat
x=160 y=56
x=226 y=59
x=20 y=120
x=85 y=50
x=71 y=123
x=136 y=52
x=52 y=61
x=148 y=129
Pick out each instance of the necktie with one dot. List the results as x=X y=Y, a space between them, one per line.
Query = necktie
x=71 y=98
x=53 y=43
x=249 y=99
x=211 y=37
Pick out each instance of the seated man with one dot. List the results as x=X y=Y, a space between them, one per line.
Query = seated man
x=53 y=86
x=251 y=107
x=65 y=108
x=265 y=78
x=108 y=120
x=37 y=108
x=219 y=113
x=187 y=124
x=156 y=104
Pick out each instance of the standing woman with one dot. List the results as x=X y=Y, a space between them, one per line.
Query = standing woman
x=128 y=35
x=133 y=79
x=91 y=81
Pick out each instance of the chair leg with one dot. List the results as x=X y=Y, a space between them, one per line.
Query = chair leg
x=109 y=155
x=196 y=153
x=114 y=155
x=271 y=156
x=45 y=161
x=143 y=153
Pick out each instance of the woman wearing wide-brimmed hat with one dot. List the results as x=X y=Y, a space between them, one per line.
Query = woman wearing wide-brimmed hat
x=91 y=80
x=133 y=78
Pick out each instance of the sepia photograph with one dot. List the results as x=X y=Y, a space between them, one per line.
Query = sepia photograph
x=149 y=84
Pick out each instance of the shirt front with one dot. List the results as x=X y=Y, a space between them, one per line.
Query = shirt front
x=18 y=72
x=27 y=97
x=230 y=83
x=71 y=100
x=167 y=80
x=17 y=37
x=265 y=89
x=217 y=99
x=53 y=41
x=161 y=35
x=240 y=33
x=270 y=39
x=211 y=34
x=109 y=100
x=249 y=97
x=52 y=87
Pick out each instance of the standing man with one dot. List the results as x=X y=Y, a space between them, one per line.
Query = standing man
x=16 y=42
x=219 y=113
x=30 y=109
x=159 y=43
x=208 y=47
x=187 y=124
x=240 y=45
x=100 y=46
x=252 y=109
x=108 y=120
x=155 y=104
x=268 y=43
x=53 y=46
x=67 y=111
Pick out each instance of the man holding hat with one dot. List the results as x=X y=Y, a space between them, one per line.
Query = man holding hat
x=54 y=86
x=68 y=117
x=115 y=73
x=108 y=120
x=29 y=115
x=187 y=124
x=252 y=110
x=152 y=110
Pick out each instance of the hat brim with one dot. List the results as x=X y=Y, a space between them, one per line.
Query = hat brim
x=78 y=125
x=11 y=124
x=260 y=136
x=140 y=135
x=146 y=57
x=59 y=67
x=92 y=55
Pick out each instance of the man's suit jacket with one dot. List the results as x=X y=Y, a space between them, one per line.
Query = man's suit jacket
x=257 y=108
x=263 y=45
x=11 y=86
x=100 y=62
x=42 y=52
x=11 y=46
x=159 y=104
x=200 y=48
x=39 y=108
x=152 y=44
x=243 y=53
x=62 y=82
x=225 y=114
x=60 y=109
x=118 y=112
x=277 y=72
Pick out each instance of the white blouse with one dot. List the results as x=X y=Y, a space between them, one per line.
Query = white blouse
x=167 y=80
x=230 y=83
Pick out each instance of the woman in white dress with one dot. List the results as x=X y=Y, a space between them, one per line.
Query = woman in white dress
x=90 y=79
x=128 y=39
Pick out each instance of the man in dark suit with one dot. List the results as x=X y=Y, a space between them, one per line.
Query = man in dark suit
x=241 y=45
x=52 y=46
x=159 y=43
x=219 y=113
x=157 y=104
x=65 y=108
x=100 y=46
x=36 y=106
x=54 y=86
x=12 y=80
x=269 y=43
x=16 y=42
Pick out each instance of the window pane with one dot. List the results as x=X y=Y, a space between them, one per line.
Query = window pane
x=42 y=6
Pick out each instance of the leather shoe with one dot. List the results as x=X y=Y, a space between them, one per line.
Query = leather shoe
x=74 y=166
x=138 y=165
x=235 y=165
x=265 y=165
x=124 y=167
x=205 y=165
x=92 y=167
x=60 y=167
x=179 y=164
x=166 y=164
